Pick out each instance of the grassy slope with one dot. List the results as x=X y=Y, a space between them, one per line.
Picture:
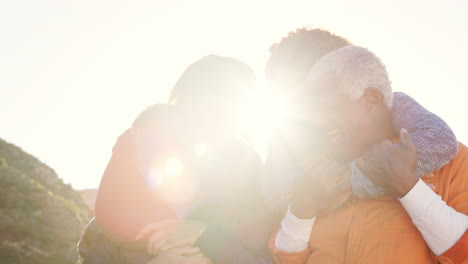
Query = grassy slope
x=41 y=218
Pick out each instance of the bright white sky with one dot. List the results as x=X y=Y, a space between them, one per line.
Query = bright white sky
x=74 y=74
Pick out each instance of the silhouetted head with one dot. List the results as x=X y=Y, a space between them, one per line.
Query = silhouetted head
x=286 y=72
x=292 y=58
x=214 y=89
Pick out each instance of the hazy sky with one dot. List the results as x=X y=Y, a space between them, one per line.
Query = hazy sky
x=74 y=74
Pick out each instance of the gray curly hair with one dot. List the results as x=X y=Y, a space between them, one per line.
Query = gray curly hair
x=356 y=69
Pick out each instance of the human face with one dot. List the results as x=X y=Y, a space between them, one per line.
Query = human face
x=347 y=125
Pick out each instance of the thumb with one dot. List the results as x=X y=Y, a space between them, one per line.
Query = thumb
x=406 y=139
x=155 y=226
x=187 y=250
x=149 y=229
x=186 y=242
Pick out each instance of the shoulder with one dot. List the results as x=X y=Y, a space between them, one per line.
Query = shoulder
x=460 y=160
x=459 y=164
x=157 y=113
x=451 y=181
x=462 y=150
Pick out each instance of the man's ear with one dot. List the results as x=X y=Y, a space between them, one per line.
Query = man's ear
x=373 y=100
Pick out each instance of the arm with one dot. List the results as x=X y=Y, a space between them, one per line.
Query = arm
x=440 y=225
x=444 y=223
x=294 y=234
x=291 y=242
x=435 y=141
x=313 y=196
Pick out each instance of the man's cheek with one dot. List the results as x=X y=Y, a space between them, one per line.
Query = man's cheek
x=355 y=139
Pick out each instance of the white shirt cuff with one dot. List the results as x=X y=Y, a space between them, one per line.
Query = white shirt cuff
x=295 y=233
x=418 y=199
x=440 y=225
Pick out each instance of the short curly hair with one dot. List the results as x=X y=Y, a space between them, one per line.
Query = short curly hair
x=294 y=56
x=355 y=69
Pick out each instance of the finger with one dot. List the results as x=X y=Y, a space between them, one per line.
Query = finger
x=185 y=251
x=406 y=139
x=156 y=247
x=148 y=230
x=155 y=241
x=156 y=226
x=176 y=244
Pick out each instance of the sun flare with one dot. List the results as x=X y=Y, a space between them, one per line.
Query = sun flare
x=264 y=113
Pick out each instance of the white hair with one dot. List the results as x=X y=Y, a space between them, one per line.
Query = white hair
x=355 y=69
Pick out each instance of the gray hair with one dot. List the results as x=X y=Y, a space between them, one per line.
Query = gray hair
x=355 y=69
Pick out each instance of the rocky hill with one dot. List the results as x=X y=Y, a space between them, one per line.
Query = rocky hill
x=41 y=218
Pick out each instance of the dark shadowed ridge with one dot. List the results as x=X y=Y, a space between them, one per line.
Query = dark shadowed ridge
x=41 y=218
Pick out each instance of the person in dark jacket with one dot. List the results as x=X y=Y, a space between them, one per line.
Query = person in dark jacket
x=182 y=185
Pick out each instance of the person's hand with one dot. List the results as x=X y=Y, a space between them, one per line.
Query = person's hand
x=169 y=234
x=324 y=186
x=181 y=255
x=392 y=166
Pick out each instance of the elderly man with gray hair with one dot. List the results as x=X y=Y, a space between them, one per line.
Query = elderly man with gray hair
x=410 y=222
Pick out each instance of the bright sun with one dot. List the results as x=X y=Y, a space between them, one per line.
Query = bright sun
x=263 y=113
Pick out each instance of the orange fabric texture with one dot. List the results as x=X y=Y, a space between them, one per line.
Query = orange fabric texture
x=459 y=252
x=379 y=230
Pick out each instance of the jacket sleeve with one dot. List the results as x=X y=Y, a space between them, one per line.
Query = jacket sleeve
x=458 y=200
x=459 y=252
x=435 y=141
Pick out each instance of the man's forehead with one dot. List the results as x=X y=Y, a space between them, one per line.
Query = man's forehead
x=326 y=91
x=323 y=83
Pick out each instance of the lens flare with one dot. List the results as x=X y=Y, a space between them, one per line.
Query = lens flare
x=262 y=115
x=154 y=178
x=170 y=182
x=173 y=167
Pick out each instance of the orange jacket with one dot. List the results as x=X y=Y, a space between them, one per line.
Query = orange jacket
x=379 y=230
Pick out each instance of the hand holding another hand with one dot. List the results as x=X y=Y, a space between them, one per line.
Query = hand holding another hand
x=392 y=166
x=171 y=234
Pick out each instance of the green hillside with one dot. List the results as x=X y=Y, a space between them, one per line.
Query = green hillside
x=41 y=218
